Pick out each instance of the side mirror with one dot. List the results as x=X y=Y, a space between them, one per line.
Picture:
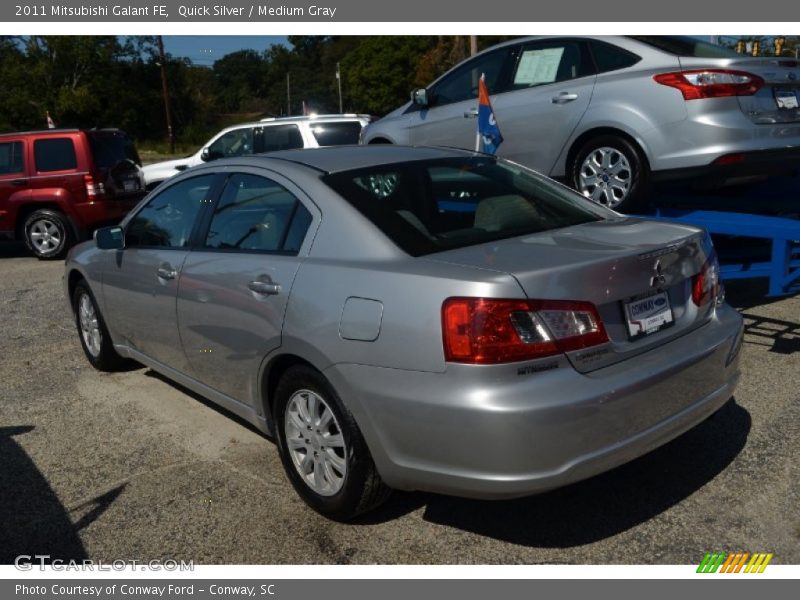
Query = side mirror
x=205 y=155
x=420 y=97
x=110 y=238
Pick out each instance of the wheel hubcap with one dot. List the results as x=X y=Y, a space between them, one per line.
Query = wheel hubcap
x=605 y=176
x=90 y=326
x=315 y=442
x=45 y=236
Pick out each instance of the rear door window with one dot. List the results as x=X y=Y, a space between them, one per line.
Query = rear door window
x=57 y=154
x=541 y=63
x=11 y=158
x=336 y=134
x=257 y=214
x=279 y=137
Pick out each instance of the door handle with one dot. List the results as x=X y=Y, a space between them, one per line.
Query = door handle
x=265 y=288
x=564 y=97
x=471 y=114
x=19 y=182
x=166 y=272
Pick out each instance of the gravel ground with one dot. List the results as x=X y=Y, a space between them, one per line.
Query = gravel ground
x=130 y=466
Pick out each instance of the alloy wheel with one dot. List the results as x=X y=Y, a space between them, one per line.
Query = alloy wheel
x=605 y=176
x=315 y=443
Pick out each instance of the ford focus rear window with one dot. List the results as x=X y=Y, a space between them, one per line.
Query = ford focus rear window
x=431 y=206
x=683 y=45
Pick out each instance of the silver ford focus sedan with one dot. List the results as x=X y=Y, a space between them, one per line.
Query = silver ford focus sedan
x=610 y=115
x=413 y=318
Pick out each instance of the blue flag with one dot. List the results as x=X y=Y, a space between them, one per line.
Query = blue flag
x=488 y=130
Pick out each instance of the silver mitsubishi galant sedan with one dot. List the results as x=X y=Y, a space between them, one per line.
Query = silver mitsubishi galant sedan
x=413 y=318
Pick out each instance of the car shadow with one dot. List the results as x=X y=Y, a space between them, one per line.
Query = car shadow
x=32 y=518
x=208 y=403
x=596 y=508
x=10 y=249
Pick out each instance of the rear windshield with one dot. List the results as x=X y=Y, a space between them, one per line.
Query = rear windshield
x=336 y=134
x=683 y=45
x=432 y=206
x=109 y=149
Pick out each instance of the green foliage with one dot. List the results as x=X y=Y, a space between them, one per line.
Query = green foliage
x=106 y=81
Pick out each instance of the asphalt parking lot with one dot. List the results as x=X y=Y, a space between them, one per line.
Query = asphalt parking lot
x=130 y=466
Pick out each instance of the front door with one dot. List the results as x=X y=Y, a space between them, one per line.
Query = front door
x=140 y=283
x=235 y=284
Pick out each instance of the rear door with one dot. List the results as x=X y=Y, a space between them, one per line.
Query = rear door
x=13 y=181
x=140 y=283
x=550 y=89
x=235 y=284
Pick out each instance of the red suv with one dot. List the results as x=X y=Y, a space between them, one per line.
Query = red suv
x=58 y=185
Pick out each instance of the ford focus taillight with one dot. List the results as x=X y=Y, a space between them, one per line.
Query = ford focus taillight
x=711 y=83
x=492 y=331
x=706 y=284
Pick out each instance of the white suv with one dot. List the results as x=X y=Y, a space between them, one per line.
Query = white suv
x=266 y=135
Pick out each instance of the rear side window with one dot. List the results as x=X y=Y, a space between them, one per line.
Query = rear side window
x=336 y=134
x=432 y=206
x=258 y=215
x=683 y=45
x=11 y=158
x=541 y=63
x=56 y=154
x=168 y=218
x=279 y=137
x=611 y=58
x=111 y=149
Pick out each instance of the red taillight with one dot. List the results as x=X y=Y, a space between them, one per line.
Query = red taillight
x=491 y=331
x=711 y=83
x=706 y=285
x=93 y=189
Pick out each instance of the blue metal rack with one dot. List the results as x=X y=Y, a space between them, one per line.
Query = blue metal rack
x=782 y=270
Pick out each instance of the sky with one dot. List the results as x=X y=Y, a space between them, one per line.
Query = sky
x=203 y=50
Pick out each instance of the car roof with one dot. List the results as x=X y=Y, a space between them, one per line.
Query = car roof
x=60 y=131
x=334 y=159
x=294 y=120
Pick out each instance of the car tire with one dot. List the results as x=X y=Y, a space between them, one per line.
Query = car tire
x=92 y=331
x=611 y=171
x=48 y=234
x=330 y=467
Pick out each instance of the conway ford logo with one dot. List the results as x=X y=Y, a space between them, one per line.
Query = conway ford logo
x=660 y=301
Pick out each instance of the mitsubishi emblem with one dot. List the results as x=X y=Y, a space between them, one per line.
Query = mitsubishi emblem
x=658 y=279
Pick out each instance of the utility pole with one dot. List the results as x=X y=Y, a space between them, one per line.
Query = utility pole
x=165 y=91
x=288 y=96
x=339 y=82
x=473 y=45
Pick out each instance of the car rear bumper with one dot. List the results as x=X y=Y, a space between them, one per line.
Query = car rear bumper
x=484 y=433
x=734 y=165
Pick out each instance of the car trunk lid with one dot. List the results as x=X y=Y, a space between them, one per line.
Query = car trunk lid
x=625 y=267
